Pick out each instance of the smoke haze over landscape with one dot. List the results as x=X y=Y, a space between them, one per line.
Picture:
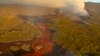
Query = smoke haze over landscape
x=74 y=6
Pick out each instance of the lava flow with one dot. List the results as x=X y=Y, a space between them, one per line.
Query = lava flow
x=43 y=44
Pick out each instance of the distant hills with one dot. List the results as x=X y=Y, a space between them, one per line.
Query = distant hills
x=94 y=11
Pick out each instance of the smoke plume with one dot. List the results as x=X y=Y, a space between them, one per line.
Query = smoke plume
x=65 y=6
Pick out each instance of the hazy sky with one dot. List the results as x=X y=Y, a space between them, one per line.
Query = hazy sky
x=94 y=0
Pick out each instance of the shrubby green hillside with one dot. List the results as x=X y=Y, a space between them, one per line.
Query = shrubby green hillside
x=79 y=38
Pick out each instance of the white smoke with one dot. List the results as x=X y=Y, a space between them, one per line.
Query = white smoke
x=65 y=6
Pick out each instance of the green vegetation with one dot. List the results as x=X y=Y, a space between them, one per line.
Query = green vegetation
x=12 y=29
x=79 y=38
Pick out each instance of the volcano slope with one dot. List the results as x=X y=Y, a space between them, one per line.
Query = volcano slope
x=81 y=39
